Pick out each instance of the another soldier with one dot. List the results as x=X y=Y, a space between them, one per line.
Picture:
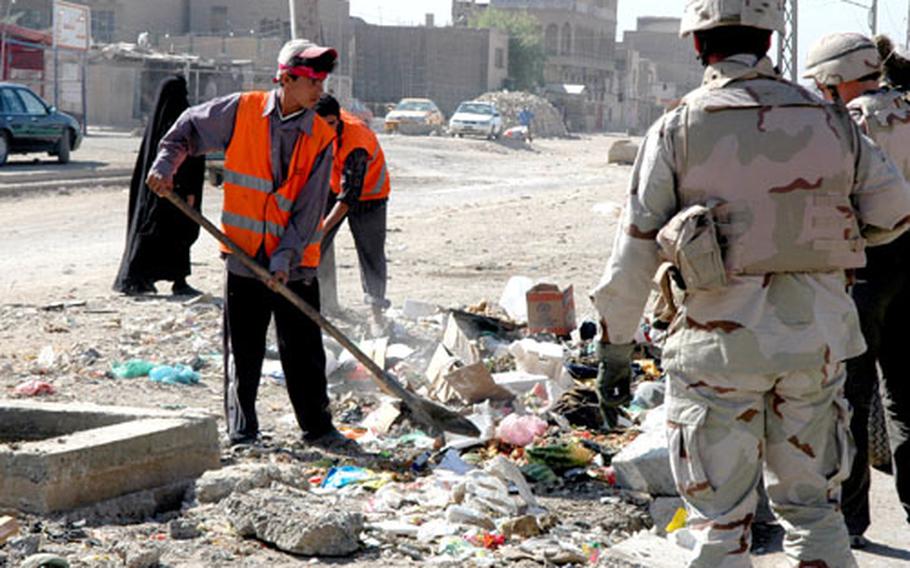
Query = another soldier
x=847 y=68
x=759 y=196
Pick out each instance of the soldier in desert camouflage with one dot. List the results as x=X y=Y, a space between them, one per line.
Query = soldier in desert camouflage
x=792 y=192
x=847 y=69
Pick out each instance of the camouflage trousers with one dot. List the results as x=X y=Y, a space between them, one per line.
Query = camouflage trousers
x=723 y=430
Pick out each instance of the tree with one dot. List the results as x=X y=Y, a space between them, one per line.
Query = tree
x=526 y=46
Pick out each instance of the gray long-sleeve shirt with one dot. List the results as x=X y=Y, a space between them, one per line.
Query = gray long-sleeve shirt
x=209 y=127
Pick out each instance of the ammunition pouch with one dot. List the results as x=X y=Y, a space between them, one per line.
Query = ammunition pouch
x=692 y=257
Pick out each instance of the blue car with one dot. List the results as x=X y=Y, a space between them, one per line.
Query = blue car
x=28 y=124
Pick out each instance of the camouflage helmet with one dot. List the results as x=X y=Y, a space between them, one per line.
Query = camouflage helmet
x=842 y=57
x=703 y=15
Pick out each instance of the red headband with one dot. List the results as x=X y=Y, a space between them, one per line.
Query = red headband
x=303 y=71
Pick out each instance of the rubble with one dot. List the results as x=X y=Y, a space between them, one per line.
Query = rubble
x=547 y=121
x=295 y=522
x=216 y=485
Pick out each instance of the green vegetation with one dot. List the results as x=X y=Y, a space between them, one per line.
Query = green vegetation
x=526 y=47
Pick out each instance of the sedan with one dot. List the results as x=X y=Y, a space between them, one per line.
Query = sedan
x=476 y=117
x=28 y=124
x=415 y=116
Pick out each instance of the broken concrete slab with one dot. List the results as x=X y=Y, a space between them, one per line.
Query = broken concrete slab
x=104 y=451
x=214 y=486
x=295 y=522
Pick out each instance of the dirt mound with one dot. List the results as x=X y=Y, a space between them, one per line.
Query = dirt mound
x=547 y=118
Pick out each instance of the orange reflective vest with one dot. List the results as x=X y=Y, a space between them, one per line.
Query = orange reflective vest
x=254 y=212
x=356 y=135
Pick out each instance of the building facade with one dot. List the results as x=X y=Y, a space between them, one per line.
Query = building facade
x=658 y=69
x=448 y=65
x=579 y=40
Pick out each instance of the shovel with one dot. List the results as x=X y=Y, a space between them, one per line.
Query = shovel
x=434 y=416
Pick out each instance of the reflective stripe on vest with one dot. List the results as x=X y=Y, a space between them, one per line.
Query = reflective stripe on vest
x=358 y=135
x=256 y=213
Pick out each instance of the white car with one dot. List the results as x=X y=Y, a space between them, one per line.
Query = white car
x=476 y=117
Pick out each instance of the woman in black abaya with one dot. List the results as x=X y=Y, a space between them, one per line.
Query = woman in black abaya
x=158 y=235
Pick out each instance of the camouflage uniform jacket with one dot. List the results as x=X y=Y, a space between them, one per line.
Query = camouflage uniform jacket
x=768 y=323
x=884 y=116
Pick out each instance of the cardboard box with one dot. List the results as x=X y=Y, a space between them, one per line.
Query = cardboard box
x=551 y=310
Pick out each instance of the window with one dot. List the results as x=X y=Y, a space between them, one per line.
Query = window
x=500 y=58
x=551 y=39
x=33 y=105
x=566 y=39
x=10 y=103
x=218 y=20
x=103 y=26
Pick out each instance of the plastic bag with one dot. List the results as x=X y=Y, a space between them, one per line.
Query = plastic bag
x=520 y=430
x=176 y=375
x=35 y=387
x=132 y=368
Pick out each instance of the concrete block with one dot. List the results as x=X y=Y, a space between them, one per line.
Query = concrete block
x=70 y=456
x=622 y=152
x=644 y=465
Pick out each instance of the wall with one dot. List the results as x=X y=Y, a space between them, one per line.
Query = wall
x=110 y=104
x=448 y=65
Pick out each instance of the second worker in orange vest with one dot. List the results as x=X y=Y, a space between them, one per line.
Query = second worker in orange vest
x=277 y=168
x=360 y=193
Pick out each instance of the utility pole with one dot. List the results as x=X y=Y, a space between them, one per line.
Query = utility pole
x=292 y=8
x=787 y=43
x=873 y=17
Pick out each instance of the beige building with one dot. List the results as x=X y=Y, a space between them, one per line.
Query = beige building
x=448 y=65
x=579 y=38
x=658 y=69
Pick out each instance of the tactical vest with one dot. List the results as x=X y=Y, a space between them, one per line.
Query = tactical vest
x=356 y=135
x=781 y=164
x=255 y=213
x=885 y=117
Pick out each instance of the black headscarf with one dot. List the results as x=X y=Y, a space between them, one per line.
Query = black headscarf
x=159 y=236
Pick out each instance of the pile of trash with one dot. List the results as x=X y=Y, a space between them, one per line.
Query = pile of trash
x=546 y=480
x=547 y=122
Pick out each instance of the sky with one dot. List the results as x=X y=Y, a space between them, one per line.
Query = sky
x=816 y=17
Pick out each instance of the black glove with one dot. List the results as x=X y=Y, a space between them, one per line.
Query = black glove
x=614 y=379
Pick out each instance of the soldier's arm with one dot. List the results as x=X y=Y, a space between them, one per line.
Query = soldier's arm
x=651 y=200
x=881 y=195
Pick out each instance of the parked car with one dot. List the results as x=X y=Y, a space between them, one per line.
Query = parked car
x=415 y=116
x=28 y=124
x=476 y=117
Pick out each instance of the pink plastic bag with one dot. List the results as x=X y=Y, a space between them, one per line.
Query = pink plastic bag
x=520 y=430
x=34 y=387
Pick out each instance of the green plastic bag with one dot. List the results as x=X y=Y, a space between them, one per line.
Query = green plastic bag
x=132 y=369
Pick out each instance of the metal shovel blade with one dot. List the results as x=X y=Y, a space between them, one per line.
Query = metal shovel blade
x=432 y=415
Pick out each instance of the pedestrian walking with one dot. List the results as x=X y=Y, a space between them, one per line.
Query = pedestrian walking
x=158 y=236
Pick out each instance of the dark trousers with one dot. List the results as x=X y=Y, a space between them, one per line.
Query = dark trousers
x=882 y=297
x=249 y=306
x=368 y=227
